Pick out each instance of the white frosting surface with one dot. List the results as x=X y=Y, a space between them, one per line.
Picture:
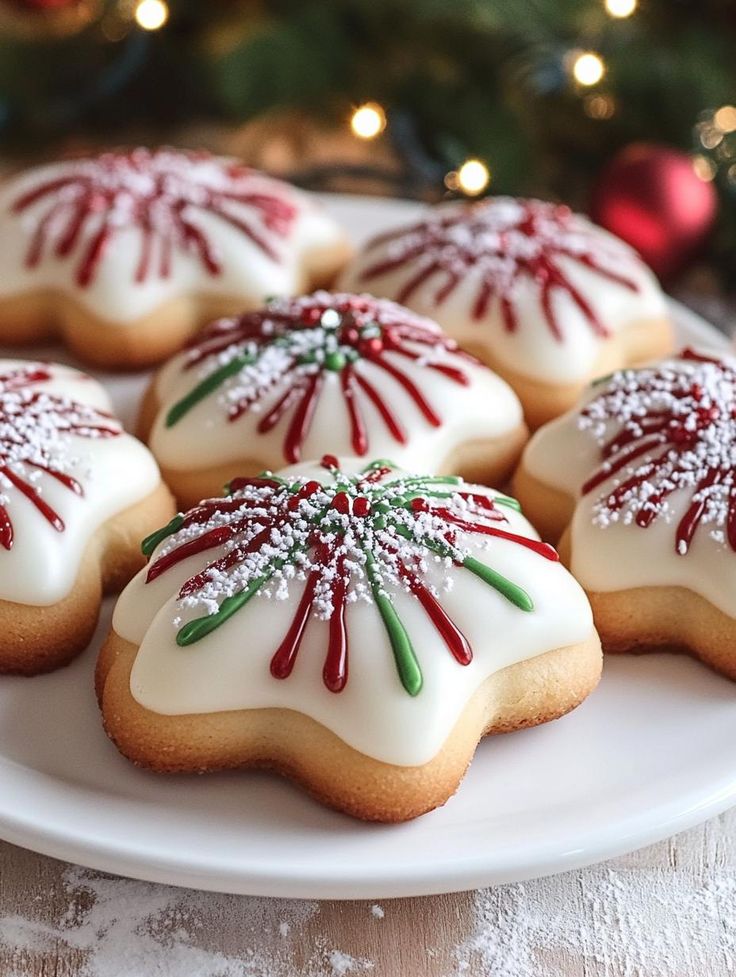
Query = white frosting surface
x=114 y=473
x=229 y=668
x=532 y=348
x=620 y=555
x=113 y=294
x=484 y=408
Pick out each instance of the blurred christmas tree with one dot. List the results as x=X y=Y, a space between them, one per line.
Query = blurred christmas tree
x=539 y=94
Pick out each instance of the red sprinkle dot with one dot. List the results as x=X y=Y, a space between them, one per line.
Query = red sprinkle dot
x=311 y=316
x=341 y=502
x=371 y=347
x=361 y=506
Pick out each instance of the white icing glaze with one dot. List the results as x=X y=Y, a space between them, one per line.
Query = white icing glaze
x=114 y=473
x=114 y=295
x=484 y=408
x=610 y=555
x=531 y=349
x=229 y=668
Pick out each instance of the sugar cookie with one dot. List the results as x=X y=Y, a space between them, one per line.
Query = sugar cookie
x=545 y=298
x=76 y=495
x=125 y=255
x=641 y=478
x=361 y=376
x=357 y=629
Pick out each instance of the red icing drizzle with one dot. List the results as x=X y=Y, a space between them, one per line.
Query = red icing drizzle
x=500 y=242
x=28 y=419
x=160 y=193
x=680 y=435
x=368 y=330
x=324 y=515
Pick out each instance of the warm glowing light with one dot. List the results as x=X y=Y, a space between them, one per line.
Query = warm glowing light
x=151 y=14
x=710 y=137
x=368 y=121
x=588 y=68
x=725 y=118
x=599 y=106
x=620 y=8
x=473 y=177
x=704 y=168
x=451 y=180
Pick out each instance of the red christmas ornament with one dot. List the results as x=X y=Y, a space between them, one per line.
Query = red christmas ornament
x=652 y=197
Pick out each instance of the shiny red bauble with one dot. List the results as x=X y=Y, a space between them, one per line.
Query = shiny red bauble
x=652 y=197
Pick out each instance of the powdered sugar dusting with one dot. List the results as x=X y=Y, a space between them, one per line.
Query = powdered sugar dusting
x=37 y=434
x=665 y=431
x=359 y=529
x=610 y=922
x=293 y=347
x=346 y=538
x=162 y=193
x=496 y=243
x=123 y=928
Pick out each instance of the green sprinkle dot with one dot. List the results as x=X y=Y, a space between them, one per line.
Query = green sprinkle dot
x=335 y=361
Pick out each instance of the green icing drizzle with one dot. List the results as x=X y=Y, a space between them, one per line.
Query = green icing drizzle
x=200 y=627
x=150 y=543
x=206 y=387
x=508 y=501
x=404 y=655
x=503 y=585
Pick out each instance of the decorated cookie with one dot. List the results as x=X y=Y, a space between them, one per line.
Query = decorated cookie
x=543 y=296
x=76 y=495
x=641 y=476
x=127 y=254
x=355 y=627
x=363 y=376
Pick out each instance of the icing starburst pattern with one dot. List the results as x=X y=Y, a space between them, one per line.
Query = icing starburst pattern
x=162 y=193
x=36 y=433
x=356 y=538
x=496 y=244
x=294 y=345
x=663 y=430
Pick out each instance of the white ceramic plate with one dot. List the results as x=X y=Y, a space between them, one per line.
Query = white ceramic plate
x=648 y=754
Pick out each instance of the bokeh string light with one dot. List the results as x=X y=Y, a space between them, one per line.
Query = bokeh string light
x=620 y=9
x=368 y=120
x=599 y=106
x=472 y=178
x=715 y=141
x=151 y=15
x=587 y=68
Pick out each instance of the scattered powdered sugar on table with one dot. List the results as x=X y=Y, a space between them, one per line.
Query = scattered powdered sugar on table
x=124 y=928
x=619 y=923
x=668 y=911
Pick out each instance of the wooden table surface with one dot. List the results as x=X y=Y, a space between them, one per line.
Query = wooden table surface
x=665 y=911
